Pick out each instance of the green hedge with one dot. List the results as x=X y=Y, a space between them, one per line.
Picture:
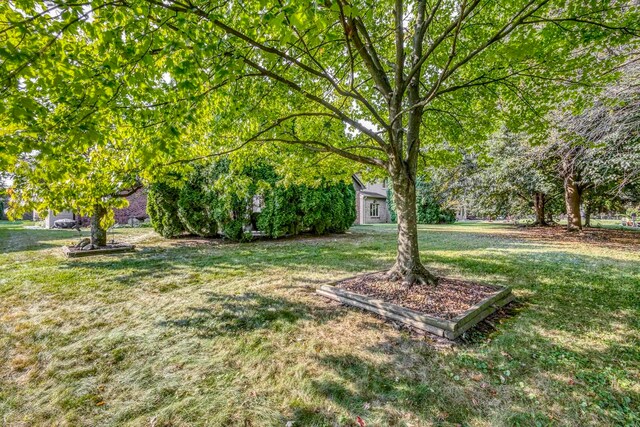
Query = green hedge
x=214 y=200
x=281 y=214
x=329 y=208
x=162 y=207
x=196 y=206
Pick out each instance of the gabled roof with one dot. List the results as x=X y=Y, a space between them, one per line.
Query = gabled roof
x=357 y=180
x=373 y=194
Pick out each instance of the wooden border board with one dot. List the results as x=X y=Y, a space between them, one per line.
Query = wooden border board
x=80 y=254
x=450 y=329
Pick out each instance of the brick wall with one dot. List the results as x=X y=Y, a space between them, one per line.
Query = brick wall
x=137 y=208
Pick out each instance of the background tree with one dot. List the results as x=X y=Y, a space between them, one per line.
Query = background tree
x=372 y=81
x=598 y=150
x=90 y=183
x=162 y=208
x=516 y=179
x=3 y=194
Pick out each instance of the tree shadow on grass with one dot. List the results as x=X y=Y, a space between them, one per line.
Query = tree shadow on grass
x=559 y=280
x=402 y=379
x=549 y=347
x=406 y=380
x=225 y=314
x=19 y=239
x=232 y=261
x=229 y=260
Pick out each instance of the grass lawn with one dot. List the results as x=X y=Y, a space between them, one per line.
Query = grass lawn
x=193 y=332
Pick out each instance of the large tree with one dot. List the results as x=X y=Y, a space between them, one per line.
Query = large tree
x=518 y=178
x=598 y=149
x=375 y=82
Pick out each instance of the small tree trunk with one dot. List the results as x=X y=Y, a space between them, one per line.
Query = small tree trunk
x=550 y=218
x=572 y=199
x=539 y=205
x=587 y=215
x=98 y=234
x=408 y=267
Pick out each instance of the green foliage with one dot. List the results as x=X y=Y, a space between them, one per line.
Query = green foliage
x=162 y=208
x=241 y=189
x=233 y=229
x=174 y=80
x=59 y=66
x=329 y=208
x=233 y=216
x=281 y=214
x=219 y=198
x=430 y=207
x=73 y=180
x=197 y=205
x=513 y=171
x=108 y=219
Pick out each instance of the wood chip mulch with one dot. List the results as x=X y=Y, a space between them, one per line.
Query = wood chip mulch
x=447 y=300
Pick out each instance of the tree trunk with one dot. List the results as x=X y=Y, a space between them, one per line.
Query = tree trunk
x=403 y=156
x=98 y=233
x=539 y=201
x=463 y=210
x=587 y=215
x=550 y=218
x=408 y=267
x=572 y=199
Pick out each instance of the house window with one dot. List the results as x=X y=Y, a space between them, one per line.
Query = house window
x=258 y=203
x=384 y=183
x=374 y=210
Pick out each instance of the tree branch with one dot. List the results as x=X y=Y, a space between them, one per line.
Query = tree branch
x=316 y=99
x=321 y=146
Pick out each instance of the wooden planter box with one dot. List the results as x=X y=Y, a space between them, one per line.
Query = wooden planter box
x=450 y=329
x=73 y=253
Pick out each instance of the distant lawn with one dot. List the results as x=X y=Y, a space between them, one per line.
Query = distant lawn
x=193 y=332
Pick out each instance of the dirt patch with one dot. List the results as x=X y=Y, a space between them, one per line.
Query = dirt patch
x=447 y=300
x=615 y=239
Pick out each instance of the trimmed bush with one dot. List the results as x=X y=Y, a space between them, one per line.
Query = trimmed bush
x=329 y=208
x=431 y=212
x=162 y=207
x=196 y=206
x=281 y=214
x=216 y=199
x=232 y=214
x=321 y=210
